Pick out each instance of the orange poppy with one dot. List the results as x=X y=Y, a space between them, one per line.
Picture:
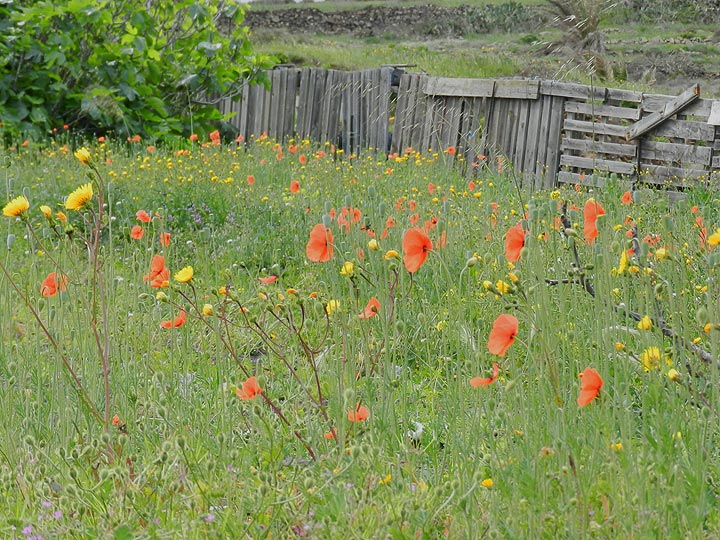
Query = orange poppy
x=142 y=216
x=514 y=242
x=165 y=239
x=332 y=434
x=294 y=186
x=471 y=185
x=250 y=389
x=215 y=137
x=485 y=381
x=415 y=246
x=156 y=266
x=268 y=280
x=137 y=232
x=177 y=322
x=372 y=308
x=414 y=219
x=591 y=211
x=250 y=179
x=431 y=187
x=626 y=198
x=590 y=386
x=53 y=283
x=502 y=335
x=359 y=413
x=319 y=248
x=302 y=159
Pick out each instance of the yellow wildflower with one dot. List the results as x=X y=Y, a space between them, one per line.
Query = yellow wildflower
x=347 y=269
x=673 y=374
x=488 y=483
x=391 y=254
x=332 y=306
x=645 y=323
x=46 y=211
x=207 y=310
x=373 y=245
x=651 y=358
x=714 y=238
x=184 y=275
x=83 y=154
x=79 y=198
x=16 y=207
x=61 y=216
x=502 y=287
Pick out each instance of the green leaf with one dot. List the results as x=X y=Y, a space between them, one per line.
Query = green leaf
x=123 y=532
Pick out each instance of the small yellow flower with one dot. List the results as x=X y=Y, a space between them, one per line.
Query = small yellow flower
x=385 y=480
x=83 y=154
x=487 y=285
x=373 y=245
x=46 y=211
x=222 y=291
x=79 y=198
x=616 y=446
x=391 y=254
x=161 y=296
x=347 y=269
x=554 y=195
x=513 y=277
x=714 y=238
x=16 y=207
x=622 y=265
x=708 y=328
x=184 y=275
x=673 y=374
x=662 y=253
x=61 y=216
x=488 y=483
x=645 y=323
x=502 y=287
x=651 y=358
x=207 y=310
x=619 y=346
x=332 y=306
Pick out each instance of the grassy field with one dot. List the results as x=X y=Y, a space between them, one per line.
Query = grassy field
x=262 y=394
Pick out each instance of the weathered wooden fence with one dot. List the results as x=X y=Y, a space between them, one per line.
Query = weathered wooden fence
x=549 y=131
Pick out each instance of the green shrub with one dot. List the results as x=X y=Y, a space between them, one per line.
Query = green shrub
x=129 y=67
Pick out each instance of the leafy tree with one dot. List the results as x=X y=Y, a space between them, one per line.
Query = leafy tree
x=152 y=67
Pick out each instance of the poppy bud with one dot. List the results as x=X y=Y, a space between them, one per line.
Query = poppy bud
x=327 y=221
x=348 y=201
x=701 y=316
x=10 y=241
x=571 y=232
x=659 y=289
x=472 y=261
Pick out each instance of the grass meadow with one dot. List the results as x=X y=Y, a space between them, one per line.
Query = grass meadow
x=250 y=356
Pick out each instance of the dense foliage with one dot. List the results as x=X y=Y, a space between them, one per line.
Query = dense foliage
x=111 y=65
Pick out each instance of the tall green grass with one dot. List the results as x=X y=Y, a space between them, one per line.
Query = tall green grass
x=437 y=458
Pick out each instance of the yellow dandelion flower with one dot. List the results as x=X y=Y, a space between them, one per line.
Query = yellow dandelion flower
x=651 y=358
x=645 y=323
x=619 y=346
x=714 y=238
x=488 y=483
x=46 y=211
x=332 y=306
x=207 y=310
x=373 y=245
x=502 y=287
x=83 y=154
x=79 y=198
x=347 y=269
x=391 y=254
x=673 y=374
x=16 y=207
x=616 y=446
x=61 y=216
x=184 y=275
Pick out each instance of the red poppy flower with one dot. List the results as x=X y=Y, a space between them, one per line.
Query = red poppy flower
x=626 y=198
x=156 y=266
x=142 y=216
x=302 y=159
x=193 y=137
x=250 y=179
x=372 y=308
x=137 y=232
x=177 y=322
x=414 y=219
x=268 y=280
x=332 y=434
x=485 y=381
x=215 y=137
x=431 y=187
x=53 y=283
x=514 y=242
x=319 y=248
x=590 y=213
x=590 y=386
x=250 y=389
x=502 y=335
x=294 y=186
x=415 y=246
x=471 y=185
x=359 y=413
x=165 y=239
x=412 y=205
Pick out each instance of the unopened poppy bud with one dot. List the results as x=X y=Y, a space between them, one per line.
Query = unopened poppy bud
x=510 y=385
x=472 y=261
x=161 y=296
x=701 y=316
x=10 y=241
x=327 y=221
x=571 y=232
x=659 y=289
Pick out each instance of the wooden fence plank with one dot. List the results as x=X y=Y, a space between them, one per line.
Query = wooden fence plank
x=444 y=86
x=572 y=90
x=600 y=147
x=685 y=129
x=595 y=128
x=597 y=164
x=602 y=110
x=670 y=109
x=700 y=155
x=553 y=145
